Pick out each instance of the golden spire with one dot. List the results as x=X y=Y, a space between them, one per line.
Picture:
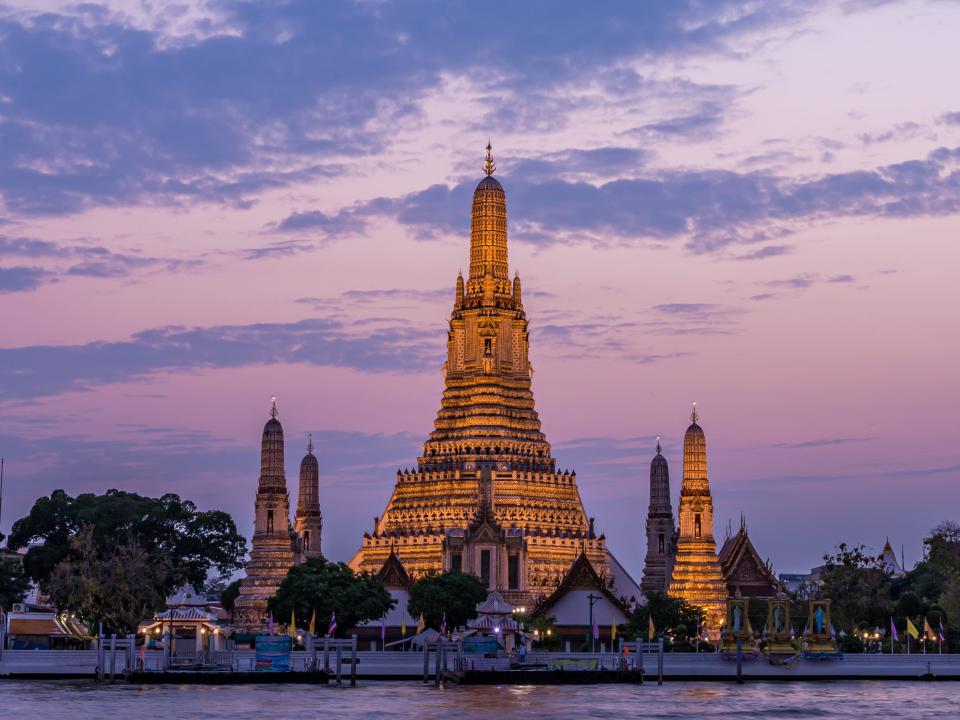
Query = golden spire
x=658 y=444
x=273 y=407
x=693 y=415
x=310 y=443
x=488 y=165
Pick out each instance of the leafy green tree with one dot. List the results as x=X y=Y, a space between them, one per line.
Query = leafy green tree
x=119 y=586
x=454 y=593
x=668 y=613
x=327 y=588
x=942 y=548
x=14 y=583
x=189 y=544
x=950 y=601
x=858 y=587
x=909 y=605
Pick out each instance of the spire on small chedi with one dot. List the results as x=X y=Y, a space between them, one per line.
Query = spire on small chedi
x=271 y=451
x=489 y=167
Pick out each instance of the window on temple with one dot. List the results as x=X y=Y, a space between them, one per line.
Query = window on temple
x=660 y=542
x=306 y=539
x=269 y=521
x=488 y=346
x=456 y=562
x=513 y=572
x=485 y=568
x=696 y=525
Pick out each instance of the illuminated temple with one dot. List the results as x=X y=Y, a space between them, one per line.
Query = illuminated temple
x=697 y=576
x=486 y=496
x=277 y=545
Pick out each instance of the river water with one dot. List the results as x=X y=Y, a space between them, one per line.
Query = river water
x=80 y=700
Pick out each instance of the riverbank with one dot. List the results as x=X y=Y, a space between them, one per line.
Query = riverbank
x=676 y=666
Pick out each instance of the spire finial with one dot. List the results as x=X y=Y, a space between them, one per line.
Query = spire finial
x=488 y=165
x=658 y=444
x=310 y=444
x=693 y=415
x=273 y=407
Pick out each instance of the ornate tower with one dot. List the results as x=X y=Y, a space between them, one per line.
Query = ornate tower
x=486 y=497
x=308 y=523
x=696 y=569
x=272 y=546
x=660 y=529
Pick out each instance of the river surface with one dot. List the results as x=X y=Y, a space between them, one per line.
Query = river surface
x=80 y=700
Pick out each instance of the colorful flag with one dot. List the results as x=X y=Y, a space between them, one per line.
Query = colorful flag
x=613 y=630
x=928 y=631
x=912 y=630
x=403 y=624
x=313 y=622
x=749 y=629
x=596 y=629
x=292 y=630
x=943 y=633
x=421 y=624
x=650 y=628
x=383 y=629
x=443 y=624
x=270 y=625
x=893 y=631
x=333 y=625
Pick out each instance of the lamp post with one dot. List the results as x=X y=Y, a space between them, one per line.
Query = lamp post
x=590 y=639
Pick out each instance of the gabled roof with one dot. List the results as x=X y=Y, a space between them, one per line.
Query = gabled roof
x=494 y=604
x=581 y=575
x=393 y=573
x=739 y=554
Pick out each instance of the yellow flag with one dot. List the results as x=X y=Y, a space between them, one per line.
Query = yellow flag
x=912 y=630
x=928 y=631
x=292 y=631
x=313 y=622
x=749 y=629
x=421 y=624
x=403 y=625
x=650 y=629
x=613 y=630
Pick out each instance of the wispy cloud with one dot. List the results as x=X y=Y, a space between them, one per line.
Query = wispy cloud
x=38 y=371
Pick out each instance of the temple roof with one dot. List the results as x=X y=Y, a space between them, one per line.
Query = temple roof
x=393 y=573
x=581 y=575
x=494 y=604
x=889 y=559
x=743 y=568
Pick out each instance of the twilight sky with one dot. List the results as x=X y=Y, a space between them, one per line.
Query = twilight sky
x=752 y=205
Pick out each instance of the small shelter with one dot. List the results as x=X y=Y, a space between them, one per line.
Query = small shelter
x=38 y=627
x=193 y=630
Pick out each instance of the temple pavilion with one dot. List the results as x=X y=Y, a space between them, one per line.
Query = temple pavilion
x=486 y=496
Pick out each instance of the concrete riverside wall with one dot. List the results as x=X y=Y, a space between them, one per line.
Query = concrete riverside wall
x=687 y=666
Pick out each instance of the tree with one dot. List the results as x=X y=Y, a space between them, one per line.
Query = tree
x=942 y=548
x=13 y=583
x=189 y=544
x=327 y=588
x=858 y=587
x=667 y=612
x=452 y=593
x=543 y=629
x=950 y=601
x=118 y=587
